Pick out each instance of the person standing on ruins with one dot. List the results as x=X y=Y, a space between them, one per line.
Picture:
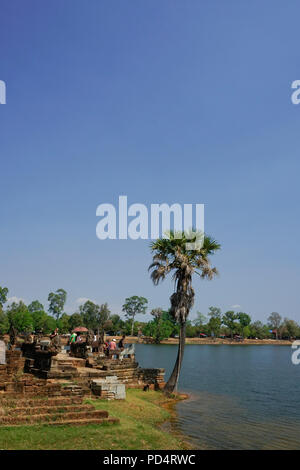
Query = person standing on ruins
x=121 y=343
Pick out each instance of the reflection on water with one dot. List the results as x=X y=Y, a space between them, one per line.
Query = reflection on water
x=241 y=397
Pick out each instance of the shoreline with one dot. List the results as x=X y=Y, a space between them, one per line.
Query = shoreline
x=208 y=341
x=170 y=424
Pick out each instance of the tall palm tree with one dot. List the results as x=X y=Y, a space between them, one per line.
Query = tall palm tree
x=174 y=254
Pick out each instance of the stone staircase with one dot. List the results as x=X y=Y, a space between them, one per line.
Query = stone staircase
x=79 y=389
x=51 y=411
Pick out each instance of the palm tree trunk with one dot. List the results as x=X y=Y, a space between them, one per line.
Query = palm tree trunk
x=173 y=380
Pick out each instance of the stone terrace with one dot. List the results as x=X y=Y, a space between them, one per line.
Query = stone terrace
x=52 y=411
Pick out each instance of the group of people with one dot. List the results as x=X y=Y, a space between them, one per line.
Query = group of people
x=112 y=346
x=107 y=346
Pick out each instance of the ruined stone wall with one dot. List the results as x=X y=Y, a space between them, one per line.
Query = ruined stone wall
x=14 y=381
x=14 y=366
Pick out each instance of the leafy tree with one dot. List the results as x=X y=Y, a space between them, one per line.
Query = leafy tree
x=35 y=306
x=90 y=314
x=200 y=320
x=256 y=329
x=4 y=323
x=39 y=316
x=214 y=325
x=49 y=325
x=103 y=317
x=229 y=320
x=57 y=302
x=39 y=319
x=275 y=322
x=3 y=295
x=108 y=325
x=215 y=322
x=173 y=254
x=244 y=320
x=191 y=330
x=133 y=306
x=75 y=320
x=117 y=324
x=246 y=331
x=159 y=328
x=63 y=323
x=156 y=313
x=19 y=317
x=214 y=312
x=291 y=328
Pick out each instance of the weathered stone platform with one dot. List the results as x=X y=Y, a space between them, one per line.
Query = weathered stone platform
x=61 y=411
x=36 y=371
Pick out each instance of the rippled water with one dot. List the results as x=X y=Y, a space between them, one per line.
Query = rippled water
x=242 y=397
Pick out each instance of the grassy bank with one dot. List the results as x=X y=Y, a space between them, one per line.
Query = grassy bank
x=140 y=417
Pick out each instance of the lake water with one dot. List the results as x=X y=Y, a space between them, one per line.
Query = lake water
x=242 y=397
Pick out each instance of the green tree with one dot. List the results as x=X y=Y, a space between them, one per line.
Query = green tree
x=103 y=317
x=161 y=327
x=63 y=323
x=117 y=324
x=229 y=320
x=133 y=306
x=57 y=302
x=19 y=317
x=246 y=331
x=215 y=321
x=200 y=319
x=256 y=329
x=191 y=330
x=174 y=255
x=3 y=296
x=39 y=316
x=36 y=306
x=90 y=314
x=49 y=325
x=275 y=322
x=75 y=320
x=291 y=328
x=39 y=319
x=4 y=323
x=157 y=313
x=244 y=320
x=214 y=326
x=259 y=330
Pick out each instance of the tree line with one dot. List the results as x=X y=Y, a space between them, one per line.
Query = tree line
x=34 y=317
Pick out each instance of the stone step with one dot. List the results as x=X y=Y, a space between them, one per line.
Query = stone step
x=52 y=401
x=46 y=409
x=53 y=417
x=72 y=422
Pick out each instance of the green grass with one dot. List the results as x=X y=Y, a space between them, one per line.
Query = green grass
x=140 y=416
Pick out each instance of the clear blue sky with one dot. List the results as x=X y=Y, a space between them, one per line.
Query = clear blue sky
x=163 y=101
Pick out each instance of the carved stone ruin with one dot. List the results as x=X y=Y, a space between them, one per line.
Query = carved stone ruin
x=109 y=388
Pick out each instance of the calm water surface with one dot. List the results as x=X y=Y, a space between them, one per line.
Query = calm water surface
x=242 y=397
